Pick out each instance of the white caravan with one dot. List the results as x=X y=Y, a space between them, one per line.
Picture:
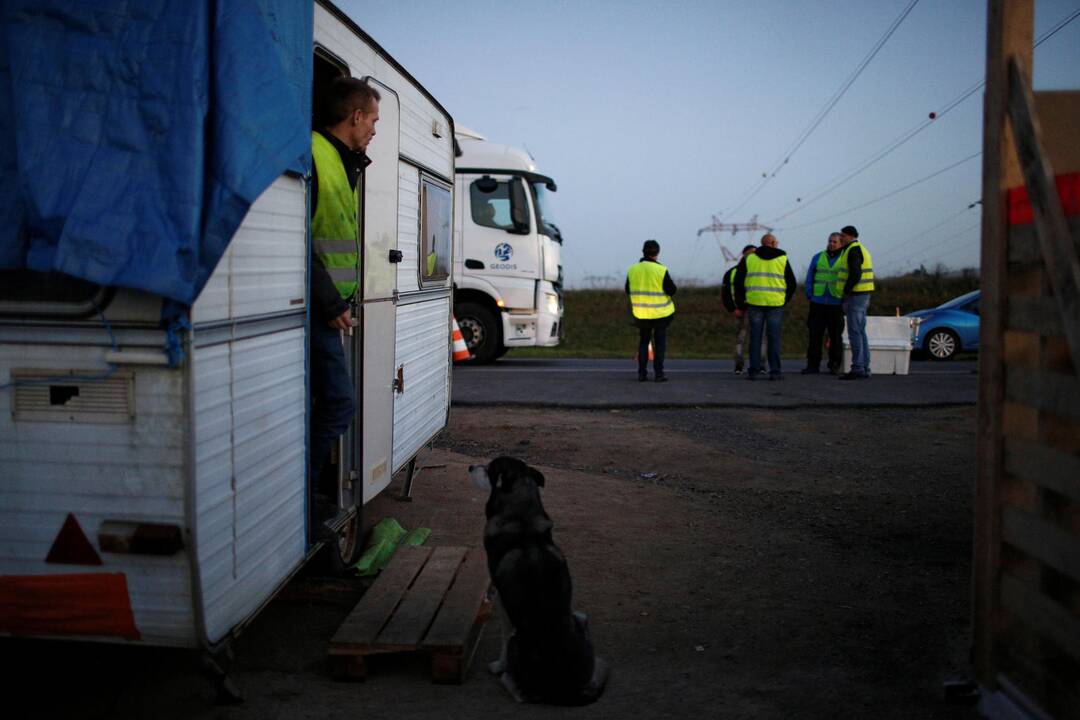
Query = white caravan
x=508 y=272
x=163 y=505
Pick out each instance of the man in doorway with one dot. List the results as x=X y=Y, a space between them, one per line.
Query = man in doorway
x=338 y=149
x=727 y=295
x=764 y=283
x=651 y=288
x=826 y=313
x=855 y=284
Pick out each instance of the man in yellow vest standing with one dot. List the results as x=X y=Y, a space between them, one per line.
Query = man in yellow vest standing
x=855 y=283
x=826 y=313
x=764 y=283
x=651 y=288
x=338 y=149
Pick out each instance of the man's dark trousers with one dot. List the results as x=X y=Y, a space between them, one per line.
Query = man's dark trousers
x=331 y=393
x=656 y=330
x=821 y=320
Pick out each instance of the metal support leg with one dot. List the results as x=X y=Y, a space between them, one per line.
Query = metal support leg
x=406 y=485
x=214 y=669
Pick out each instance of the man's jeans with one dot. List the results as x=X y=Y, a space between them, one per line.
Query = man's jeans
x=855 y=307
x=768 y=319
x=331 y=394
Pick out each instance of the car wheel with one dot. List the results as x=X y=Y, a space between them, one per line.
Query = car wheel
x=942 y=344
x=481 y=331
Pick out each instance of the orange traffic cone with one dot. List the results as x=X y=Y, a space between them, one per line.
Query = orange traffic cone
x=460 y=350
x=650 y=353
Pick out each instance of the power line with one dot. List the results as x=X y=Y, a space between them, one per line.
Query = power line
x=880 y=155
x=905 y=137
x=954 y=250
x=888 y=195
x=906 y=244
x=825 y=110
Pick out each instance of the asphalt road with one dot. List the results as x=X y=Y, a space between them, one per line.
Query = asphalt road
x=573 y=383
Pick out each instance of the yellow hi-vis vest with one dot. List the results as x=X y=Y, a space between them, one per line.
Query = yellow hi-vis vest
x=729 y=281
x=866 y=280
x=335 y=229
x=765 y=282
x=825 y=276
x=647 y=297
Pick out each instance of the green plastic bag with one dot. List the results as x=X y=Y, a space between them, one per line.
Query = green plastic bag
x=385 y=538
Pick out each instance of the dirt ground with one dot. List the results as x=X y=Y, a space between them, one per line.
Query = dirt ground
x=734 y=564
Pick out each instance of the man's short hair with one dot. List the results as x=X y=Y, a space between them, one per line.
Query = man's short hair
x=345 y=96
x=748 y=248
x=850 y=231
x=651 y=248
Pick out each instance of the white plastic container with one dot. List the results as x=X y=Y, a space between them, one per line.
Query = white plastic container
x=890 y=340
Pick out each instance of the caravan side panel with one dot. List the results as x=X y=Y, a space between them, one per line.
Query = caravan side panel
x=262 y=272
x=250 y=467
x=129 y=467
x=423 y=348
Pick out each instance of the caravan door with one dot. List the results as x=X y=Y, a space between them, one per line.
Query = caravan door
x=375 y=426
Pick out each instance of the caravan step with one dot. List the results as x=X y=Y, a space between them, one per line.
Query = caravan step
x=426 y=600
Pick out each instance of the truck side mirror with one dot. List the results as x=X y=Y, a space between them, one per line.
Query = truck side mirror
x=519 y=208
x=486 y=184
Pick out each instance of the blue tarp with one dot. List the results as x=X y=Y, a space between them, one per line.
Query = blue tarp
x=134 y=136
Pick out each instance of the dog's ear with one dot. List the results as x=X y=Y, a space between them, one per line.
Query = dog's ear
x=538 y=477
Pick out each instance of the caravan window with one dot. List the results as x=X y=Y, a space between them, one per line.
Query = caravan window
x=434 y=232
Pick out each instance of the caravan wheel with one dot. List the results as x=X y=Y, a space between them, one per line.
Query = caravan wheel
x=350 y=544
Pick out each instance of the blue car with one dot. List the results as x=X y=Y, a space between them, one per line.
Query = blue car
x=949 y=328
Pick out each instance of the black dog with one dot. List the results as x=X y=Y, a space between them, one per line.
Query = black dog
x=548 y=657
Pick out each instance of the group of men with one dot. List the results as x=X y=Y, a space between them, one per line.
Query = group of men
x=839 y=282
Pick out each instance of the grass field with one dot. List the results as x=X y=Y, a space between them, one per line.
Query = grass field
x=598 y=324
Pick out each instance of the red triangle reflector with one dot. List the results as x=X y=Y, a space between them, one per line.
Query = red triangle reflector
x=71 y=546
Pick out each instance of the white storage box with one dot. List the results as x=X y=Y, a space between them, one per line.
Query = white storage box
x=890 y=340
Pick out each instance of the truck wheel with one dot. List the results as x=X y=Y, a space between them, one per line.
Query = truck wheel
x=481 y=330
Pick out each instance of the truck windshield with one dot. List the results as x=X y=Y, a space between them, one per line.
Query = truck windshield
x=545 y=218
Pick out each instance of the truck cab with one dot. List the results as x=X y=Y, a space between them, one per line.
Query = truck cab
x=508 y=272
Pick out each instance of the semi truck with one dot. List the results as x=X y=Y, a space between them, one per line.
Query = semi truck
x=508 y=272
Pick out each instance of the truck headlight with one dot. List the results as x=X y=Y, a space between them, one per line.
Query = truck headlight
x=552 y=303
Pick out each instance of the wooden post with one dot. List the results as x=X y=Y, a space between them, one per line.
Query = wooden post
x=1009 y=34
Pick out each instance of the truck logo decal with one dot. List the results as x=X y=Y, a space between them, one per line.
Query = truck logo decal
x=503 y=251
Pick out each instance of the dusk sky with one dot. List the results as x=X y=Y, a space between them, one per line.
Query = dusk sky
x=653 y=117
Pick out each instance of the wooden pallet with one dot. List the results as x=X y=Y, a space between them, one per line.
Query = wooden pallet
x=426 y=600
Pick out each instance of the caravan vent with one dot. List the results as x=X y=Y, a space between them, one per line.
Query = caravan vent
x=73 y=396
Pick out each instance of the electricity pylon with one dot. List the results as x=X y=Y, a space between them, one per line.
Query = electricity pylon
x=717 y=227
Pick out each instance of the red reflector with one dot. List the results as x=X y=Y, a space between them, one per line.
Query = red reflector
x=1068 y=188
x=79 y=604
x=71 y=546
